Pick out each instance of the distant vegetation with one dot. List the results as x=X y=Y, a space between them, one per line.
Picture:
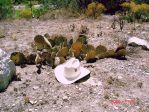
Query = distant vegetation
x=130 y=9
x=135 y=11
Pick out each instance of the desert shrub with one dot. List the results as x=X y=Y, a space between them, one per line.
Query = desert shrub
x=136 y=11
x=26 y=13
x=95 y=9
x=37 y=12
x=83 y=30
x=5 y=9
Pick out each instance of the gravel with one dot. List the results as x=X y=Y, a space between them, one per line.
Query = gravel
x=43 y=93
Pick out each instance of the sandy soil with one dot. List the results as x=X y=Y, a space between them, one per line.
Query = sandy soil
x=126 y=81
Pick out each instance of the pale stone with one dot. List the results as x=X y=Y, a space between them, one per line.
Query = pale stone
x=134 y=41
x=7 y=70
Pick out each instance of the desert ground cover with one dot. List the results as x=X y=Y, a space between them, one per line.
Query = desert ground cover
x=124 y=81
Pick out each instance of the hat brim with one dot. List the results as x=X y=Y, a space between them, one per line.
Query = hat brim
x=59 y=73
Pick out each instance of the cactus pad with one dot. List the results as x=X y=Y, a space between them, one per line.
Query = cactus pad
x=18 y=58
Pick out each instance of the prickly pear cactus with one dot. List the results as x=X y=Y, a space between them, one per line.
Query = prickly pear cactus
x=86 y=48
x=110 y=54
x=90 y=56
x=31 y=58
x=39 y=42
x=63 y=52
x=18 y=58
x=60 y=40
x=7 y=70
x=101 y=49
x=121 y=54
x=76 y=48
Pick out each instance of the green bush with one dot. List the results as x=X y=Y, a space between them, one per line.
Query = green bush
x=37 y=12
x=26 y=13
x=5 y=9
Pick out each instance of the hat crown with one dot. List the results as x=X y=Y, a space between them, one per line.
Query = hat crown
x=72 y=69
x=72 y=63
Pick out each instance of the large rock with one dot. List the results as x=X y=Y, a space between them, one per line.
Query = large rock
x=134 y=41
x=7 y=70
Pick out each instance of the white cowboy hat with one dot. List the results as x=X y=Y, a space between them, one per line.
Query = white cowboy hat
x=70 y=71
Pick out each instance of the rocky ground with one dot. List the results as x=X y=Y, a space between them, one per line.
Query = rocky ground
x=124 y=81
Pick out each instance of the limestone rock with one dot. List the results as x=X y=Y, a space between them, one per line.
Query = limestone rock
x=134 y=41
x=7 y=70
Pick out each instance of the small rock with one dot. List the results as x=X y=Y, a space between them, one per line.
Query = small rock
x=93 y=82
x=30 y=110
x=57 y=61
x=143 y=32
x=137 y=107
x=115 y=107
x=36 y=87
x=13 y=105
x=33 y=102
x=65 y=98
x=119 y=77
x=79 y=89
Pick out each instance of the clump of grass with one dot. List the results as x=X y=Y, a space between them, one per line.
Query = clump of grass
x=140 y=84
x=26 y=99
x=116 y=82
x=106 y=96
x=83 y=30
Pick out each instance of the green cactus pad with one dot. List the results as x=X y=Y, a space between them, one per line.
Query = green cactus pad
x=60 y=40
x=63 y=52
x=91 y=55
x=86 y=48
x=121 y=54
x=50 y=61
x=55 y=49
x=39 y=42
x=62 y=60
x=101 y=49
x=18 y=58
x=110 y=54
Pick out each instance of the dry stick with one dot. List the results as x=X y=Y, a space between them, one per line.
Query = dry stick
x=47 y=41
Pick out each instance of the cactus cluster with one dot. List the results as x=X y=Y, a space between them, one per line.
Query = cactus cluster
x=119 y=53
x=54 y=50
